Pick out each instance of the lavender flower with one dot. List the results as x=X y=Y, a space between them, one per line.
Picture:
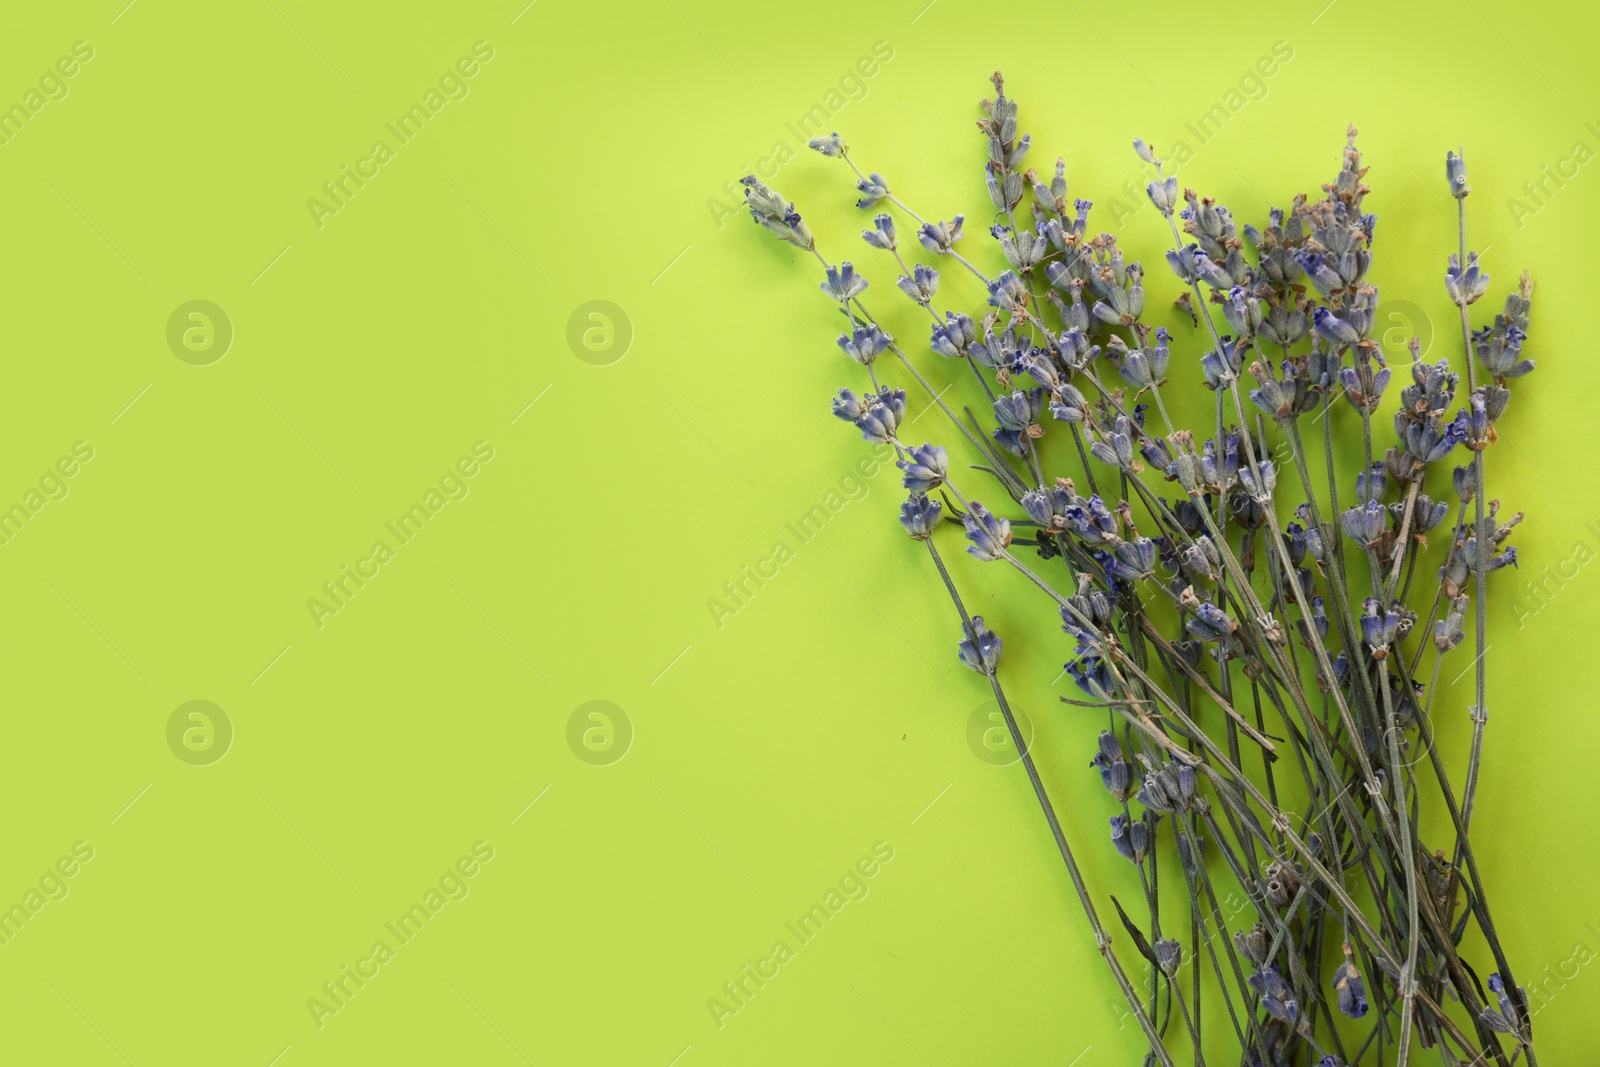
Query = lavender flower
x=922 y=285
x=1505 y=1020
x=940 y=237
x=1276 y=996
x=1116 y=447
x=1430 y=439
x=1008 y=293
x=988 y=533
x=1320 y=268
x=1169 y=955
x=843 y=283
x=1259 y=483
x=1068 y=405
x=1379 y=627
x=1365 y=524
x=1185 y=263
x=1122 y=306
x=1332 y=328
x=882 y=235
x=774 y=214
x=1282 y=398
x=1017 y=415
x=920 y=516
x=1471 y=425
x=1092 y=676
x=1116 y=774
x=1164 y=193
x=1221 y=365
x=872 y=189
x=1370 y=484
x=981 y=650
x=848 y=406
x=1243 y=311
x=1280 y=324
x=925 y=467
x=1212 y=273
x=1455 y=171
x=954 y=336
x=831 y=145
x=1132 y=839
x=1092 y=521
x=1048 y=507
x=864 y=343
x=1208 y=623
x=1427 y=513
x=1143 y=368
x=1500 y=351
x=1022 y=250
x=1134 y=560
x=1252 y=944
x=1169 y=789
x=1364 y=386
x=1449 y=631
x=1219 y=469
x=876 y=415
x=1465 y=286
x=1351 y=990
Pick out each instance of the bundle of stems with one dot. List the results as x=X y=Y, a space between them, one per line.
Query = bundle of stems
x=1243 y=659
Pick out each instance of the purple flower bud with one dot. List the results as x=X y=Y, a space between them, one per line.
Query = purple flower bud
x=1135 y=560
x=1332 y=328
x=1465 y=286
x=981 y=649
x=1499 y=348
x=1259 y=483
x=872 y=189
x=881 y=414
x=831 y=145
x=864 y=343
x=1093 y=676
x=1209 y=623
x=922 y=285
x=920 y=516
x=1116 y=774
x=1455 y=171
x=1116 y=447
x=848 y=406
x=774 y=214
x=925 y=468
x=940 y=237
x=952 y=337
x=988 y=533
x=843 y=283
x=1017 y=415
x=883 y=235
x=1449 y=631
x=1132 y=839
x=1365 y=524
x=1008 y=293
x=1163 y=194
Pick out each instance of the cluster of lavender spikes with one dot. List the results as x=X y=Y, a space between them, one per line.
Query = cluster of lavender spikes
x=1222 y=631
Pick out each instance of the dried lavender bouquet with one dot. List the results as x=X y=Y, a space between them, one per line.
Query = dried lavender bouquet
x=1210 y=632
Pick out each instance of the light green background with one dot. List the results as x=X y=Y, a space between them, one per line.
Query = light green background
x=769 y=753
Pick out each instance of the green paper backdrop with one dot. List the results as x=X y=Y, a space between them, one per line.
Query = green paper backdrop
x=444 y=548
